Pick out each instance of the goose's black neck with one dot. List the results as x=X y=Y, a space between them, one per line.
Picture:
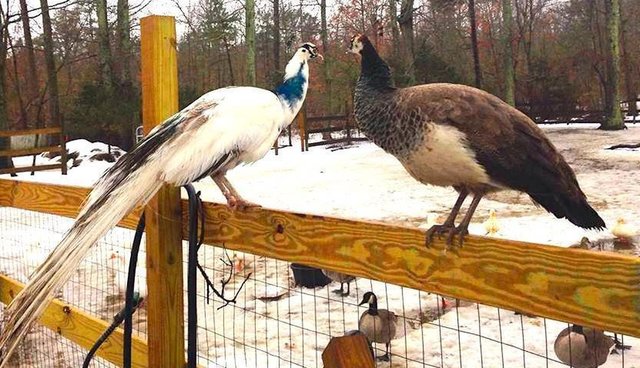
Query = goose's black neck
x=375 y=72
x=373 y=307
x=577 y=329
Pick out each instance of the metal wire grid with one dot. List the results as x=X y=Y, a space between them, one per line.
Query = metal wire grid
x=276 y=324
x=26 y=239
x=294 y=330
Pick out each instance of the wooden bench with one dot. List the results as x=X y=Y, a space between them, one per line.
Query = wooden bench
x=59 y=148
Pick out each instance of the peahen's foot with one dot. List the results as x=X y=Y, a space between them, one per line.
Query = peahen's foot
x=457 y=232
x=436 y=230
x=384 y=358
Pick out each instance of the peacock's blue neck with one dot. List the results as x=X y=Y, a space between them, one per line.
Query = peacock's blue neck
x=294 y=87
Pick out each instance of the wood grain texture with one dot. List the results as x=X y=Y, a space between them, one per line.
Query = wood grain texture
x=348 y=352
x=14 y=133
x=596 y=289
x=80 y=327
x=53 y=199
x=29 y=151
x=163 y=229
x=30 y=168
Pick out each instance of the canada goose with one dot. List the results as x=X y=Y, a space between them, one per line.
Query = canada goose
x=491 y=225
x=459 y=136
x=342 y=279
x=379 y=325
x=582 y=347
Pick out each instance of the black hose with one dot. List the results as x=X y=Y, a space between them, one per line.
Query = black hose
x=192 y=324
x=128 y=298
x=117 y=320
x=132 y=302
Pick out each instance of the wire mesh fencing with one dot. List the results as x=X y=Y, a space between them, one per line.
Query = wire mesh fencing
x=275 y=321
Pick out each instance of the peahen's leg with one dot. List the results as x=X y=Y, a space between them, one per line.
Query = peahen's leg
x=462 y=229
x=449 y=223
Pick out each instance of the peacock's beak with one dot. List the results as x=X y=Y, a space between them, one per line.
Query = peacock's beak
x=315 y=55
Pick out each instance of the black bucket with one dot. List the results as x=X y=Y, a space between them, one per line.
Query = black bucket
x=308 y=276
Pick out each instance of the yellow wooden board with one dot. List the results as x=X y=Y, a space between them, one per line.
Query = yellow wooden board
x=597 y=289
x=80 y=327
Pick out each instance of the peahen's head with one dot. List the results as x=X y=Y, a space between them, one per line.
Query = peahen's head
x=375 y=71
x=358 y=43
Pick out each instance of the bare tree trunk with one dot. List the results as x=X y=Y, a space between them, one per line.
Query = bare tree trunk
x=230 y=63
x=474 y=44
x=123 y=44
x=52 y=73
x=250 y=40
x=276 y=38
x=395 y=32
x=631 y=93
x=406 y=26
x=126 y=90
x=104 y=50
x=5 y=162
x=613 y=117
x=507 y=35
x=326 y=66
x=24 y=116
x=32 y=77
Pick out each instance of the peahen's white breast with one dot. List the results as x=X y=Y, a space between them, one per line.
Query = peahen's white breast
x=444 y=159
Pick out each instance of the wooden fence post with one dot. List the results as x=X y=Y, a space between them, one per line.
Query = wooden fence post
x=163 y=213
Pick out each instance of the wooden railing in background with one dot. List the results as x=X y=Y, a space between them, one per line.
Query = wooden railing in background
x=327 y=124
x=60 y=148
x=597 y=289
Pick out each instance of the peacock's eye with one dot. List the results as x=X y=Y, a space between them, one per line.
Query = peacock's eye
x=304 y=50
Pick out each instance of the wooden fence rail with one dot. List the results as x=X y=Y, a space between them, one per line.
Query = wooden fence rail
x=80 y=327
x=60 y=148
x=598 y=289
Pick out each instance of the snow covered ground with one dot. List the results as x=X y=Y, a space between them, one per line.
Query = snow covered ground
x=365 y=183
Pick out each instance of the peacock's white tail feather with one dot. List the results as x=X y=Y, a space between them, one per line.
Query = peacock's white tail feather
x=133 y=180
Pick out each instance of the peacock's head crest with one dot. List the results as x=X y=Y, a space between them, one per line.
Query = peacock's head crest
x=307 y=51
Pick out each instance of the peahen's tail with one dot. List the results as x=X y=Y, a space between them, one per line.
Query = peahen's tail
x=133 y=180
